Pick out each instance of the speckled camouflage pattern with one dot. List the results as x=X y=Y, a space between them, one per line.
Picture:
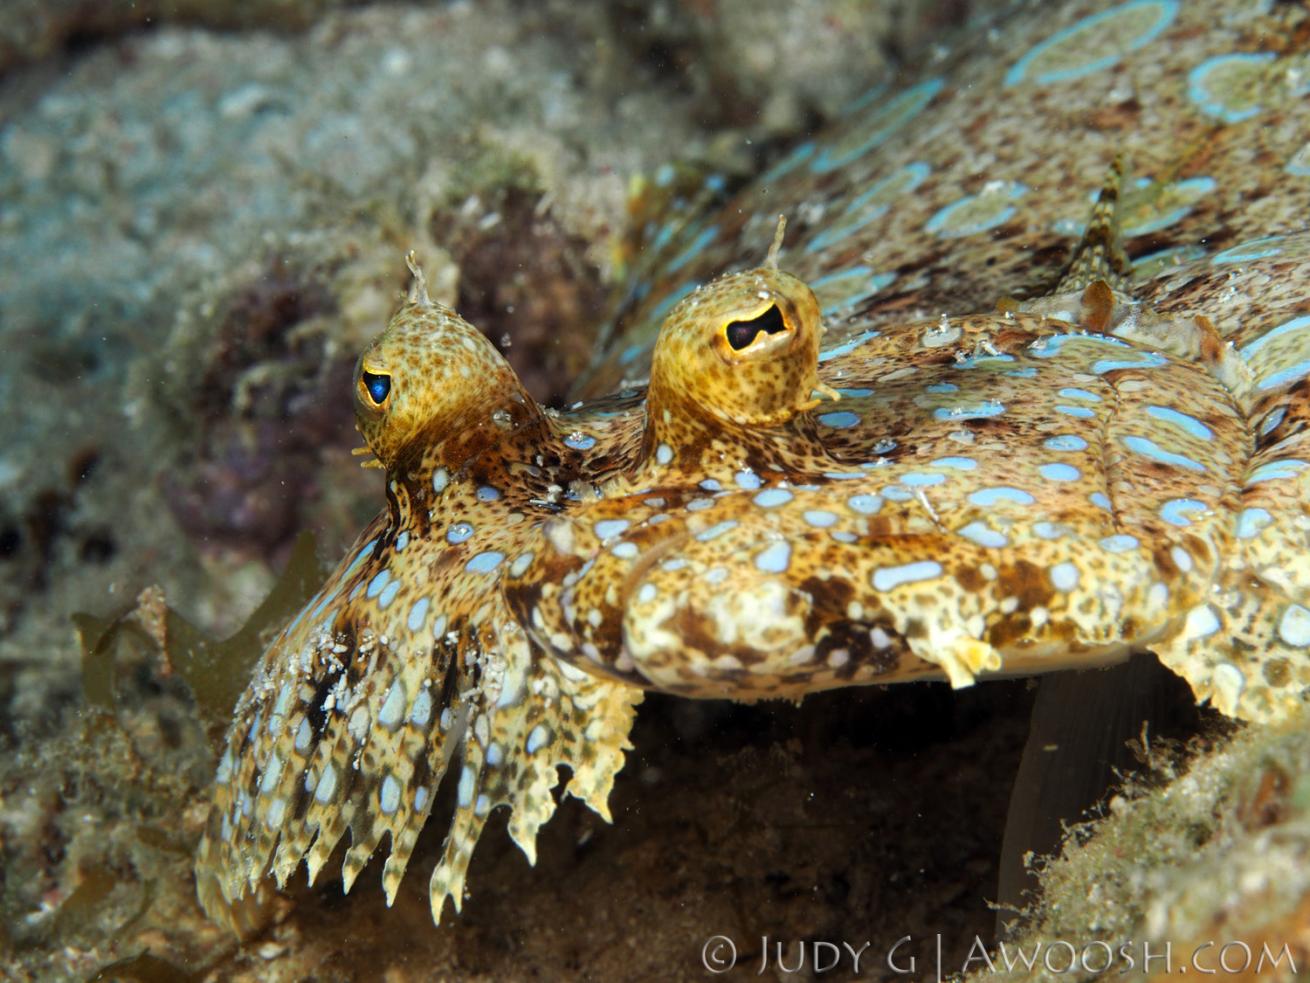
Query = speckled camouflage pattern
x=844 y=474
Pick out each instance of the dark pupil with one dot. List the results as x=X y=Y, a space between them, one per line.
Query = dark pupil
x=378 y=386
x=742 y=333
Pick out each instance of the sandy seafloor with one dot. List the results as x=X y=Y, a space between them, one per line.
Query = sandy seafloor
x=203 y=213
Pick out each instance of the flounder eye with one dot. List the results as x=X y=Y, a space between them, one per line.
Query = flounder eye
x=742 y=334
x=377 y=386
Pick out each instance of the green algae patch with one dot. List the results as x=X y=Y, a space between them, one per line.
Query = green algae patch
x=1209 y=857
x=215 y=671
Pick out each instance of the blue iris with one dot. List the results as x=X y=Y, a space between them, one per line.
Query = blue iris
x=378 y=386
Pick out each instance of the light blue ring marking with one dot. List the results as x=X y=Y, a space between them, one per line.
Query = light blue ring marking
x=1250 y=251
x=940 y=223
x=1168 y=10
x=890 y=116
x=1199 y=92
x=1282 y=330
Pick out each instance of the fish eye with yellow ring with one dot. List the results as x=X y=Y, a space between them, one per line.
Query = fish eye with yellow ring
x=375 y=387
x=743 y=349
x=742 y=335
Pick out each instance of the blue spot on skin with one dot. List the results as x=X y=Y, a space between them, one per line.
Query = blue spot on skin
x=1121 y=543
x=888 y=578
x=1065 y=442
x=1289 y=374
x=747 y=480
x=377 y=584
x=956 y=463
x=1149 y=448
x=889 y=117
x=402 y=540
x=1149 y=360
x=922 y=479
x=773 y=497
x=1049 y=530
x=839 y=420
x=983 y=534
x=842 y=475
x=774 y=559
x=1189 y=424
x=1170 y=258
x=1251 y=522
x=943 y=223
x=1165 y=13
x=1192 y=189
x=608 y=528
x=869 y=206
x=1198 y=85
x=580 y=441
x=716 y=530
x=970 y=411
x=389 y=594
x=1027 y=372
x=819 y=518
x=865 y=504
x=484 y=562
x=1081 y=412
x=1081 y=394
x=1248 y=252
x=1176 y=511
x=630 y=354
x=897 y=493
x=364 y=552
x=710 y=484
x=1277 y=470
x=459 y=532
x=848 y=346
x=838 y=292
x=1059 y=472
x=987 y=497
x=856 y=393
x=1101 y=500
x=486 y=493
x=418 y=614
x=1293 y=326
x=941 y=387
x=1273 y=420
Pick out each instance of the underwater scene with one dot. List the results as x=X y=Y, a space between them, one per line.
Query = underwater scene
x=668 y=490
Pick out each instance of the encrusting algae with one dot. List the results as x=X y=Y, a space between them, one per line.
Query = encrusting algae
x=1048 y=486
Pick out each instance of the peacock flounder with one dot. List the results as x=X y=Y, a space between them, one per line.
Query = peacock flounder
x=833 y=490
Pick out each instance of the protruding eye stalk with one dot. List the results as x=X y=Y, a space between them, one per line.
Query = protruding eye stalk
x=375 y=387
x=742 y=335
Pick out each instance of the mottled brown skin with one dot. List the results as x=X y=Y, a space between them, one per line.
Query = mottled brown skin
x=1123 y=463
